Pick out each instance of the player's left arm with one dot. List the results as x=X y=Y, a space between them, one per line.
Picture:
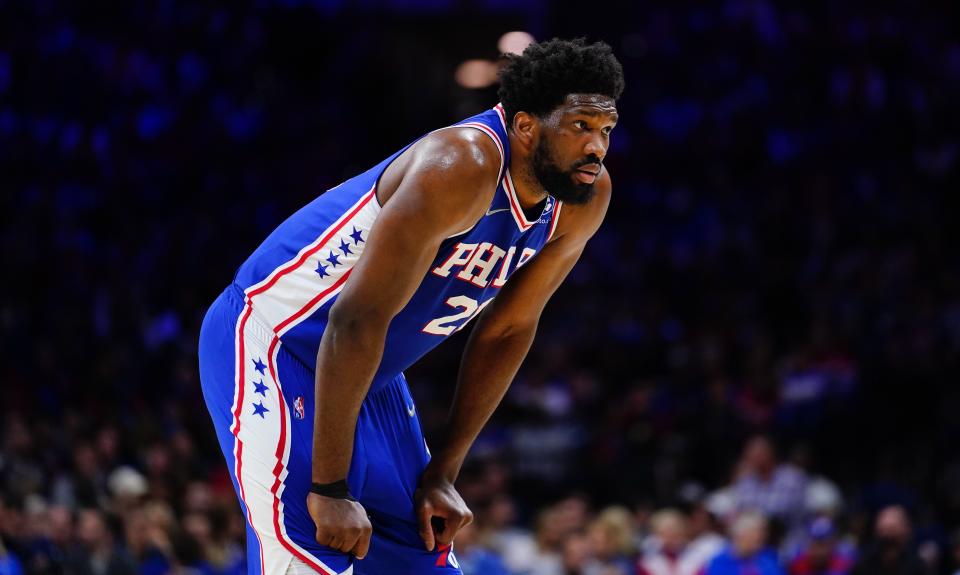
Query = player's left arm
x=500 y=341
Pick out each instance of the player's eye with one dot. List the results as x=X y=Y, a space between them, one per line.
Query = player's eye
x=607 y=130
x=581 y=125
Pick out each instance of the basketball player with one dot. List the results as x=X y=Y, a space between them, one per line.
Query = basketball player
x=302 y=356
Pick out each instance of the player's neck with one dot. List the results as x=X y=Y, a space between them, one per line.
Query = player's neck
x=528 y=188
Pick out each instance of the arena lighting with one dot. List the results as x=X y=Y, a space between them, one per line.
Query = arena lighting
x=476 y=73
x=514 y=42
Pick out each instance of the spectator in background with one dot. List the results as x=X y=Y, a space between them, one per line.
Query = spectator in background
x=126 y=486
x=822 y=496
x=778 y=490
x=96 y=553
x=218 y=555
x=572 y=514
x=47 y=537
x=147 y=533
x=611 y=540
x=563 y=546
x=474 y=558
x=705 y=539
x=821 y=555
x=747 y=553
x=9 y=565
x=663 y=549
x=85 y=484
x=516 y=545
x=577 y=558
x=548 y=558
x=892 y=551
x=670 y=552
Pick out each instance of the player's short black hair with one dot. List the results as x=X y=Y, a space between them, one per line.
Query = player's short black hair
x=539 y=79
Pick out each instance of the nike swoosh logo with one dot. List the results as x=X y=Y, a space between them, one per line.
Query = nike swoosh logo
x=491 y=212
x=411 y=410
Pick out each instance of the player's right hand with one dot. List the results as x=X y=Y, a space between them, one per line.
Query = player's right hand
x=341 y=524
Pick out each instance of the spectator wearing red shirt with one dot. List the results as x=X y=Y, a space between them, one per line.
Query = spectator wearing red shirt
x=821 y=555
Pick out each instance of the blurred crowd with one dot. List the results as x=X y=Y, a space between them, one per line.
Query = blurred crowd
x=752 y=369
x=107 y=518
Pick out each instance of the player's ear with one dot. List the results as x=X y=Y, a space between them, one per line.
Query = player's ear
x=525 y=128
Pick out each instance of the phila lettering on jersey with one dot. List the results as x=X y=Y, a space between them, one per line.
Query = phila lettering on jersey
x=293 y=278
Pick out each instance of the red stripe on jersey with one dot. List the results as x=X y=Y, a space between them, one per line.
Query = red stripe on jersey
x=279 y=467
x=238 y=461
x=330 y=233
x=555 y=220
x=518 y=215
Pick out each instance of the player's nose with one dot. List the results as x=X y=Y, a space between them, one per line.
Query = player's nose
x=596 y=147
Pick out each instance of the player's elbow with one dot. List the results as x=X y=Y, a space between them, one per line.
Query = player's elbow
x=357 y=322
x=507 y=329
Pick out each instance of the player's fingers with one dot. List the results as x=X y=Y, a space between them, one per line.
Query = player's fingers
x=424 y=513
x=349 y=541
x=329 y=541
x=453 y=523
x=445 y=536
x=460 y=518
x=363 y=544
x=329 y=538
x=464 y=521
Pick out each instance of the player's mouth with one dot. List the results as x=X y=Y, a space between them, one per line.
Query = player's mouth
x=587 y=174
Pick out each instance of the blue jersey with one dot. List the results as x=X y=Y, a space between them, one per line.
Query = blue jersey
x=293 y=278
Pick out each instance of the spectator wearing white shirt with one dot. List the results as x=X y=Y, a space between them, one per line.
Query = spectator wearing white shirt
x=778 y=490
x=671 y=552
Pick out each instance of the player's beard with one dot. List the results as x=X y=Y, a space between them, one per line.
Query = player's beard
x=559 y=183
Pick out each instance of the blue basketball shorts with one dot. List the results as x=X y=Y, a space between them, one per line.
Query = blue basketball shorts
x=261 y=400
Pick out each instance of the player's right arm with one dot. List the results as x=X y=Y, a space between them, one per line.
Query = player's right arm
x=437 y=191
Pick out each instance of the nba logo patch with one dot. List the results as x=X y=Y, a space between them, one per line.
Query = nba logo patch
x=298 y=407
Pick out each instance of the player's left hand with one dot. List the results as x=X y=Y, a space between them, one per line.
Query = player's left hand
x=441 y=511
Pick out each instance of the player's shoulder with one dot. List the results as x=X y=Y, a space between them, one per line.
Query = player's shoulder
x=453 y=170
x=460 y=151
